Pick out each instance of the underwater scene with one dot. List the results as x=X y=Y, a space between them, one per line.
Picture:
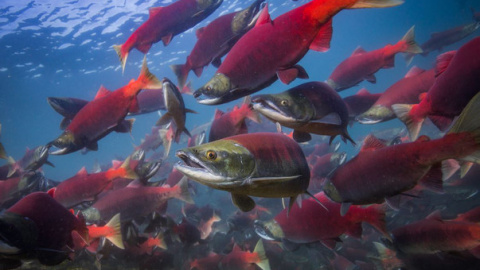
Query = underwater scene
x=226 y=134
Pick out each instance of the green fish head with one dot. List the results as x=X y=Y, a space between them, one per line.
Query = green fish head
x=222 y=164
x=65 y=143
x=375 y=114
x=208 y=4
x=246 y=18
x=269 y=230
x=284 y=107
x=214 y=91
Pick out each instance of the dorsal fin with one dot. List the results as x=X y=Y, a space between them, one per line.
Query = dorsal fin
x=423 y=138
x=264 y=17
x=83 y=171
x=363 y=92
x=102 y=91
x=372 y=143
x=358 y=50
x=116 y=164
x=218 y=114
x=199 y=32
x=435 y=215
x=443 y=61
x=154 y=10
x=414 y=71
x=321 y=43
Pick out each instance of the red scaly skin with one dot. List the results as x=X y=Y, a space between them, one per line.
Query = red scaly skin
x=461 y=74
x=374 y=175
x=312 y=222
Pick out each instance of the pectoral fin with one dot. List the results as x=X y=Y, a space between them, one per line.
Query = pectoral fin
x=243 y=202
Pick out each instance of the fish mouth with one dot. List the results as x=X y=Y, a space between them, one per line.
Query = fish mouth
x=196 y=170
x=254 y=9
x=339 y=158
x=148 y=169
x=206 y=100
x=264 y=229
x=271 y=110
x=368 y=120
x=376 y=114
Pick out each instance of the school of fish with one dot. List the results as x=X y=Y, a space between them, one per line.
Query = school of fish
x=275 y=200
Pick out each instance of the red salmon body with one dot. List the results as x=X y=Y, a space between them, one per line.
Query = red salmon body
x=407 y=90
x=312 y=222
x=272 y=49
x=165 y=22
x=362 y=65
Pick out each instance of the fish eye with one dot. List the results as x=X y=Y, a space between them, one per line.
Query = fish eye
x=209 y=88
x=211 y=155
x=284 y=102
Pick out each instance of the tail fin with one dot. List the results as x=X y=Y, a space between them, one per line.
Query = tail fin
x=147 y=79
x=166 y=141
x=375 y=216
x=161 y=241
x=409 y=58
x=184 y=193
x=128 y=171
x=250 y=113
x=123 y=57
x=116 y=236
x=376 y=3
x=410 y=45
x=405 y=114
x=468 y=122
x=181 y=71
x=13 y=167
x=262 y=257
x=187 y=89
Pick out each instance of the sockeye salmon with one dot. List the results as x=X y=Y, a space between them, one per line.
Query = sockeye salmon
x=252 y=65
x=261 y=164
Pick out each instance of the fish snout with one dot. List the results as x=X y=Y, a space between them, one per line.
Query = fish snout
x=147 y=170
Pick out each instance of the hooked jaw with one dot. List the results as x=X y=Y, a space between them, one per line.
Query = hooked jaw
x=65 y=144
x=331 y=191
x=196 y=170
x=376 y=114
x=269 y=230
x=271 y=110
x=216 y=91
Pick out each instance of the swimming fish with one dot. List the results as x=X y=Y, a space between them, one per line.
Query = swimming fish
x=312 y=107
x=459 y=71
x=252 y=65
x=103 y=115
x=176 y=110
x=164 y=23
x=261 y=164
x=407 y=90
x=392 y=170
x=363 y=65
x=216 y=39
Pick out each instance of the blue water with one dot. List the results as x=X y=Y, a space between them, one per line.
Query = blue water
x=64 y=49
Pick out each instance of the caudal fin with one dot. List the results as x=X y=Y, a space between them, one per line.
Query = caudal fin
x=405 y=112
x=122 y=56
x=127 y=171
x=116 y=236
x=376 y=3
x=375 y=216
x=249 y=112
x=148 y=80
x=181 y=71
x=469 y=122
x=262 y=262
x=166 y=141
x=410 y=45
x=184 y=193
